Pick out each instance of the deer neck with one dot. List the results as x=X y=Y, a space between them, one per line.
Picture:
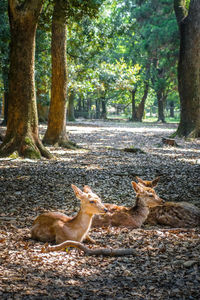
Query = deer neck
x=82 y=223
x=140 y=210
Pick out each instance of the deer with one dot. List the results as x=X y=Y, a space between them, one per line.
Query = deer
x=58 y=227
x=132 y=217
x=172 y=214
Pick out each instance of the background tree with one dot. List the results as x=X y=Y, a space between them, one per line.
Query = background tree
x=188 y=18
x=22 y=127
x=56 y=131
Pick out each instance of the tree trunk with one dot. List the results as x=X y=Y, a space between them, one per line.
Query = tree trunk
x=160 y=98
x=140 y=108
x=134 y=116
x=104 y=110
x=56 y=133
x=97 y=109
x=189 y=68
x=22 y=126
x=70 y=107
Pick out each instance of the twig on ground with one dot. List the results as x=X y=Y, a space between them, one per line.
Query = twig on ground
x=98 y=251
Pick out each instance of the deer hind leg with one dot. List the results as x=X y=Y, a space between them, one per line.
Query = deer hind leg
x=42 y=233
x=62 y=233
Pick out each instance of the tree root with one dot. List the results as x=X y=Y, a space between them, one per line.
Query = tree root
x=88 y=251
x=26 y=146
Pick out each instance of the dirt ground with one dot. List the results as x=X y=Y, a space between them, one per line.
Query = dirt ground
x=166 y=261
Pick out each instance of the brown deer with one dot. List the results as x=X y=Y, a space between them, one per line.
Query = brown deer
x=55 y=226
x=132 y=217
x=173 y=214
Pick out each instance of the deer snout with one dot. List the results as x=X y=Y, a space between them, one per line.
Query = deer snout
x=106 y=210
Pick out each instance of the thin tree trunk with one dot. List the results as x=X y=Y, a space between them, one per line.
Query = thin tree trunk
x=189 y=67
x=133 y=93
x=160 y=98
x=97 y=109
x=22 y=126
x=56 y=133
x=70 y=107
x=140 y=108
x=104 y=110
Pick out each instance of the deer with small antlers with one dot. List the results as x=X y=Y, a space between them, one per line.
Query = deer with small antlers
x=132 y=217
x=173 y=214
x=55 y=226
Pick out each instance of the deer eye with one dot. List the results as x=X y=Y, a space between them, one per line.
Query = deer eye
x=92 y=201
x=150 y=195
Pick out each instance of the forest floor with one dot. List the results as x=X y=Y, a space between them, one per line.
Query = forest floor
x=166 y=263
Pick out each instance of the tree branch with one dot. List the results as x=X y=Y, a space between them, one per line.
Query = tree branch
x=12 y=4
x=98 y=251
x=180 y=10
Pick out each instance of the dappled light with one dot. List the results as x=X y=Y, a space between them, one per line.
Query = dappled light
x=30 y=187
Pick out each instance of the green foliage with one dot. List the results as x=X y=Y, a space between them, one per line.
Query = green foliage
x=113 y=46
x=4 y=46
x=43 y=66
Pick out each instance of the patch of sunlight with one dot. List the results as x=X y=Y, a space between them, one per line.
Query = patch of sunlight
x=78 y=130
x=94 y=167
x=179 y=154
x=63 y=151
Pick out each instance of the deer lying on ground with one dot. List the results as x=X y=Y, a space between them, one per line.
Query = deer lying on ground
x=132 y=217
x=173 y=214
x=55 y=226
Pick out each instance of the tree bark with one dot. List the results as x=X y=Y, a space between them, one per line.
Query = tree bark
x=189 y=68
x=22 y=126
x=56 y=133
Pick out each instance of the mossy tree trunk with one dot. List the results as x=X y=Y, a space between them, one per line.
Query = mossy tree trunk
x=189 y=67
x=22 y=125
x=56 y=133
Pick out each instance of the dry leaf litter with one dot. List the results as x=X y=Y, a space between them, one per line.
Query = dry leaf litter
x=166 y=263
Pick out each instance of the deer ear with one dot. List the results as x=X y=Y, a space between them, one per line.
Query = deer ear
x=136 y=187
x=140 y=180
x=77 y=191
x=155 y=182
x=87 y=189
